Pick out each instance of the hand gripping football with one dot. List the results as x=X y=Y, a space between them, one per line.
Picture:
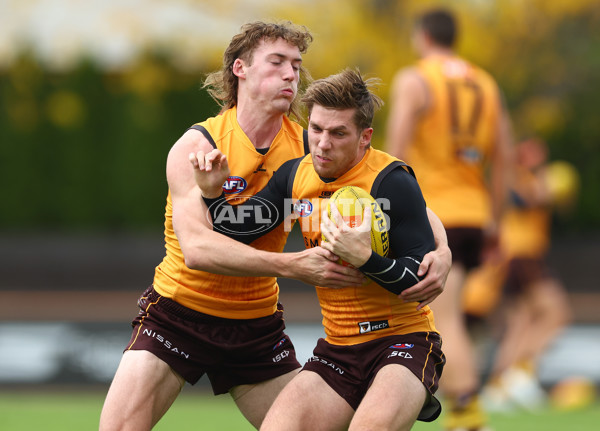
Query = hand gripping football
x=350 y=202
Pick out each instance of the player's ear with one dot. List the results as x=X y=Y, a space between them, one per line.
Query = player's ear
x=365 y=137
x=239 y=68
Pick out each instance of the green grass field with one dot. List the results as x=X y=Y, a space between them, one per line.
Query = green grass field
x=195 y=410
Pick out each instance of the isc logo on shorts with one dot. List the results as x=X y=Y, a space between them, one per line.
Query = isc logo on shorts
x=373 y=326
x=281 y=356
x=401 y=354
x=399 y=350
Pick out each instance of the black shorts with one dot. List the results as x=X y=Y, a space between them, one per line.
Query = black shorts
x=466 y=245
x=350 y=370
x=231 y=352
x=524 y=272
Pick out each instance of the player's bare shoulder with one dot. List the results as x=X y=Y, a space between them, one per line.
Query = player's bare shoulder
x=410 y=86
x=407 y=76
x=191 y=141
x=179 y=170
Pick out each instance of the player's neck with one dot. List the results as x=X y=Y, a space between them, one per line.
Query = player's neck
x=259 y=126
x=438 y=51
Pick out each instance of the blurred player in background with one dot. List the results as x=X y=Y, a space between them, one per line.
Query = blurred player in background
x=448 y=122
x=534 y=304
x=379 y=365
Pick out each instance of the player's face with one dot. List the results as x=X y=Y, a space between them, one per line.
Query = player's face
x=271 y=78
x=336 y=144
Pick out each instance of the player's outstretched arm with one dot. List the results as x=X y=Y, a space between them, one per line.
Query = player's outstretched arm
x=206 y=250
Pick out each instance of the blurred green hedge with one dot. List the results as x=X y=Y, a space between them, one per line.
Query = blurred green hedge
x=87 y=149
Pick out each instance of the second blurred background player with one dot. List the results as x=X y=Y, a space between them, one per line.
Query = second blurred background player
x=448 y=122
x=533 y=302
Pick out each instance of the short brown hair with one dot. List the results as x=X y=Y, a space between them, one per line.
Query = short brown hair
x=222 y=85
x=345 y=90
x=440 y=25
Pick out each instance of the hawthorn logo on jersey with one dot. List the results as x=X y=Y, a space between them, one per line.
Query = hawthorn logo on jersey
x=326 y=194
x=373 y=326
x=234 y=185
x=402 y=346
x=303 y=207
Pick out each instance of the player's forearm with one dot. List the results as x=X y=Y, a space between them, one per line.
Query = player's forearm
x=206 y=250
x=219 y=254
x=394 y=275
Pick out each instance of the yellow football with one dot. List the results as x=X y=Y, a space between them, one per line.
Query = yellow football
x=350 y=202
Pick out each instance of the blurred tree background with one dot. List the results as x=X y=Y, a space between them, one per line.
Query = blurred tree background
x=84 y=141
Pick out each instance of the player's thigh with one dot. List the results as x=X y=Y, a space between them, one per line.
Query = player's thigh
x=143 y=389
x=393 y=402
x=307 y=403
x=254 y=400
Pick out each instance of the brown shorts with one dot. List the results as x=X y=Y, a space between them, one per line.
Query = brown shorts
x=524 y=272
x=350 y=370
x=466 y=245
x=231 y=352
